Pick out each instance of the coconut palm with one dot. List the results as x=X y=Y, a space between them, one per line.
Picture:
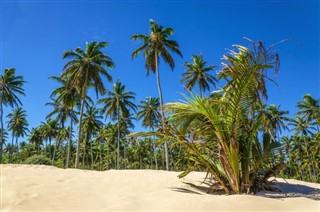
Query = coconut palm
x=84 y=70
x=272 y=119
x=301 y=126
x=91 y=125
x=18 y=125
x=117 y=105
x=156 y=45
x=49 y=131
x=309 y=109
x=10 y=87
x=149 y=113
x=198 y=73
x=36 y=138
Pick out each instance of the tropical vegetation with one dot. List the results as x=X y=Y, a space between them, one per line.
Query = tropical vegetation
x=233 y=133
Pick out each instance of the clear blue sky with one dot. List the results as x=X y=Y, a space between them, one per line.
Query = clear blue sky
x=34 y=34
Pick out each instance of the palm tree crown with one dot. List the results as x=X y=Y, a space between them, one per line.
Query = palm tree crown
x=198 y=73
x=157 y=44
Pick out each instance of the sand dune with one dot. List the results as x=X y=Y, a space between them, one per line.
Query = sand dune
x=45 y=188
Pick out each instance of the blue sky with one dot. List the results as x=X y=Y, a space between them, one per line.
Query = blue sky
x=34 y=34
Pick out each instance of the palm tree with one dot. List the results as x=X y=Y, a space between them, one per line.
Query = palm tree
x=198 y=73
x=18 y=125
x=63 y=109
x=272 y=119
x=84 y=70
x=301 y=126
x=10 y=86
x=49 y=131
x=91 y=125
x=149 y=113
x=309 y=108
x=156 y=45
x=117 y=105
x=36 y=138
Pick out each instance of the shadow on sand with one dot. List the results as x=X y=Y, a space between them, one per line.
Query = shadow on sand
x=292 y=190
x=287 y=190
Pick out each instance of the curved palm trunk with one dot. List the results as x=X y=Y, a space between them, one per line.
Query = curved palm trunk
x=1 y=121
x=161 y=109
x=69 y=142
x=79 y=133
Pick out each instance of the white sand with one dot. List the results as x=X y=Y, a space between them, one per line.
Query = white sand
x=45 y=188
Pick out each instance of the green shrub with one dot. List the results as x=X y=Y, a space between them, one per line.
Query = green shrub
x=38 y=159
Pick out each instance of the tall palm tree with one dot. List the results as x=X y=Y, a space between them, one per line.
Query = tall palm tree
x=18 y=125
x=117 y=105
x=10 y=87
x=198 y=73
x=84 y=70
x=156 y=45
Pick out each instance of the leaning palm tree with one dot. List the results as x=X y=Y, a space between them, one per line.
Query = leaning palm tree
x=156 y=45
x=117 y=105
x=10 y=87
x=18 y=125
x=198 y=73
x=84 y=70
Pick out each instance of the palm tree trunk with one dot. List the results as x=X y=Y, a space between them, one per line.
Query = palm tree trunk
x=161 y=109
x=54 y=151
x=50 y=148
x=124 y=155
x=91 y=152
x=118 y=148
x=11 y=150
x=79 y=134
x=1 y=121
x=84 y=154
x=100 y=159
x=69 y=142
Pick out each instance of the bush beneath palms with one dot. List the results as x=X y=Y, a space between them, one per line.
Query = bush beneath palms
x=38 y=160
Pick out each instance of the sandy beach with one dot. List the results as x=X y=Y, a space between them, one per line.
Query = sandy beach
x=46 y=188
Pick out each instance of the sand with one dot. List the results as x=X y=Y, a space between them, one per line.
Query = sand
x=46 y=188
